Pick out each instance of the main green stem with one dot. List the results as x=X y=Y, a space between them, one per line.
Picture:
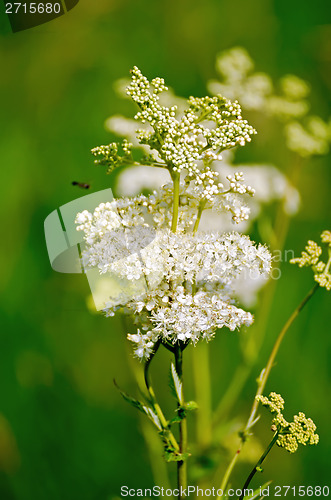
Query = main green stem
x=259 y=463
x=227 y=475
x=176 y=180
x=181 y=465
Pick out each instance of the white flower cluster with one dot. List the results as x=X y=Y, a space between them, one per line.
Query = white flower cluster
x=157 y=207
x=237 y=186
x=312 y=139
x=176 y=282
x=186 y=293
x=286 y=101
x=270 y=185
x=191 y=317
x=256 y=90
x=181 y=143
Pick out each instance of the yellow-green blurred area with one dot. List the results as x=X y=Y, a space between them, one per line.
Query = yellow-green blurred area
x=65 y=432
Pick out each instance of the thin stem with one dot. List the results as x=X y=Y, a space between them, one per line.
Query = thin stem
x=256 y=468
x=181 y=465
x=266 y=371
x=176 y=180
x=227 y=475
x=155 y=404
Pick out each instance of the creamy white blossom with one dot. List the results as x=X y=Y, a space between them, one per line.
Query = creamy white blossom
x=287 y=100
x=187 y=277
x=175 y=280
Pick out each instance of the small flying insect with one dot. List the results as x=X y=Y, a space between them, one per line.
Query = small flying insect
x=82 y=185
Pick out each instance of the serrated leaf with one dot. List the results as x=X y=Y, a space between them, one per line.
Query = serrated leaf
x=153 y=417
x=172 y=385
x=177 y=384
x=141 y=407
x=129 y=399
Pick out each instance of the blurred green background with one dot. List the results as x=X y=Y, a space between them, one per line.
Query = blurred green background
x=65 y=432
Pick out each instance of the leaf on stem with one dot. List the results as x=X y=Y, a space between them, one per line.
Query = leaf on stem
x=176 y=385
x=141 y=407
x=173 y=456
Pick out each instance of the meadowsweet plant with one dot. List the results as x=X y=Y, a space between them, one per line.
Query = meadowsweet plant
x=153 y=242
x=177 y=282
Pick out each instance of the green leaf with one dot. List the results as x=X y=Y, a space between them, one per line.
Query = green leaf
x=132 y=401
x=191 y=405
x=175 y=420
x=153 y=417
x=141 y=407
x=171 y=384
x=172 y=456
x=178 y=386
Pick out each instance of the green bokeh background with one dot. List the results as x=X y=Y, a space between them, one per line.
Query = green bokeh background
x=65 y=433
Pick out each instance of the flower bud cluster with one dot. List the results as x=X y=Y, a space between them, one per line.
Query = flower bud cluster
x=209 y=126
x=290 y=434
x=312 y=138
x=110 y=156
x=237 y=184
x=255 y=91
x=286 y=101
x=311 y=258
